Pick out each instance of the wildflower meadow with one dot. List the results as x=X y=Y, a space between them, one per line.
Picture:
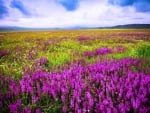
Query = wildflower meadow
x=75 y=71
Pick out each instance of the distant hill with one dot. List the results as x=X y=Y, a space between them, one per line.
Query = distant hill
x=136 y=26
x=128 y=26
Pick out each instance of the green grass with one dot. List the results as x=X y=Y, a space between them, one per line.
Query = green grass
x=144 y=52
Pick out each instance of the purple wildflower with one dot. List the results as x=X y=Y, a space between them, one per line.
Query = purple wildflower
x=15 y=106
x=63 y=98
x=38 y=110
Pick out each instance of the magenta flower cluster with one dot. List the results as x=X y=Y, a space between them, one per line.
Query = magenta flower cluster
x=108 y=86
x=43 y=61
x=99 y=51
x=83 y=38
x=103 y=51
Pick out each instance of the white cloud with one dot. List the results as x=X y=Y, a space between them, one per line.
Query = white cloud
x=92 y=13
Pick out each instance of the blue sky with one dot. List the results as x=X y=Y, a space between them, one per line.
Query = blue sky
x=71 y=13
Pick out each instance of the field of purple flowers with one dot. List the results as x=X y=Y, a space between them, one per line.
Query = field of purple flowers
x=97 y=72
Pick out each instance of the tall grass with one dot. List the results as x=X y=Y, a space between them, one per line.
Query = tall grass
x=144 y=52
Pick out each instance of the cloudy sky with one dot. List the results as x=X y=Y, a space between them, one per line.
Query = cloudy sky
x=73 y=13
